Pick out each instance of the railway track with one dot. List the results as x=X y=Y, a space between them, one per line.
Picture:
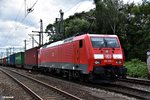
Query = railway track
x=125 y=90
x=52 y=93
x=136 y=81
x=129 y=91
x=82 y=91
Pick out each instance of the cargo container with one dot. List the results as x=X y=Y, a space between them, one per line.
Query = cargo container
x=7 y=61
x=19 y=59
x=12 y=60
x=0 y=62
x=4 y=61
x=31 y=58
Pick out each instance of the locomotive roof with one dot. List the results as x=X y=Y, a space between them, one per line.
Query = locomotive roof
x=102 y=35
x=52 y=44
x=75 y=38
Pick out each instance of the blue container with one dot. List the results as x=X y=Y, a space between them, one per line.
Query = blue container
x=12 y=59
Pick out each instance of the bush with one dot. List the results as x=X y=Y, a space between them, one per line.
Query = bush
x=136 y=68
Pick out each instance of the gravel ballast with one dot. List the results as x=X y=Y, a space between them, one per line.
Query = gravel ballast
x=9 y=90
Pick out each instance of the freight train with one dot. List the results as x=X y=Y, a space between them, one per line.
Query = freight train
x=88 y=57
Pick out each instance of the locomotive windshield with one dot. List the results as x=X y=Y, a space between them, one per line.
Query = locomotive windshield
x=101 y=42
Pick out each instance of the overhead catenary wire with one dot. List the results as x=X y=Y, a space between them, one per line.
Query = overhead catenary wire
x=77 y=5
x=29 y=10
x=16 y=19
x=72 y=7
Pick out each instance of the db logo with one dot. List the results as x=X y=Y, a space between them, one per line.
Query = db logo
x=108 y=56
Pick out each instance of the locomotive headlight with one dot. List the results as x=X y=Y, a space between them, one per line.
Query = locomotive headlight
x=118 y=62
x=117 y=56
x=97 y=62
x=98 y=56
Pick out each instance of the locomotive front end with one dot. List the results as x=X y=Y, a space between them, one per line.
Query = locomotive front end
x=108 y=57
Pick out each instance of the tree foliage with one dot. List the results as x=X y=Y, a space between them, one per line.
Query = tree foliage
x=75 y=26
x=79 y=23
x=108 y=15
x=136 y=30
x=136 y=68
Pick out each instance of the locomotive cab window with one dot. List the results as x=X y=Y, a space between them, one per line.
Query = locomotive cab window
x=80 y=43
x=101 y=42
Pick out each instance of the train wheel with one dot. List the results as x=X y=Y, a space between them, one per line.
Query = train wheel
x=124 y=76
x=34 y=68
x=70 y=75
x=64 y=73
x=83 y=78
x=91 y=77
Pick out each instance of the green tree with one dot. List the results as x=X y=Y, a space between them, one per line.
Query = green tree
x=79 y=22
x=136 y=29
x=108 y=15
x=75 y=26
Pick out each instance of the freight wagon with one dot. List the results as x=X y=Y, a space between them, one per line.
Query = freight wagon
x=12 y=60
x=0 y=62
x=8 y=61
x=31 y=58
x=19 y=59
x=4 y=61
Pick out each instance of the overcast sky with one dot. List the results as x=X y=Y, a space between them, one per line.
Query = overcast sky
x=15 y=27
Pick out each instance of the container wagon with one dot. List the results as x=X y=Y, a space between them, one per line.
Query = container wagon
x=7 y=60
x=19 y=59
x=31 y=58
x=12 y=60
x=0 y=62
x=4 y=61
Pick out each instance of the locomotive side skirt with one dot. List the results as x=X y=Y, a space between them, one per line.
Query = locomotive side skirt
x=68 y=66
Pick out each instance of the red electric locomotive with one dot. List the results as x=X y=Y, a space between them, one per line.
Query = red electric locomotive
x=86 y=56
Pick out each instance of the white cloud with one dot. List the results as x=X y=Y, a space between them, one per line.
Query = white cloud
x=14 y=27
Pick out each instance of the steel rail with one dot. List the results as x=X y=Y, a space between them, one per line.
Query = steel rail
x=66 y=94
x=136 y=81
x=32 y=93
x=144 y=95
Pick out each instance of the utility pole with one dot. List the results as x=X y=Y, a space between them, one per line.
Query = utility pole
x=7 y=51
x=57 y=26
x=41 y=30
x=39 y=36
x=2 y=55
x=13 y=49
x=25 y=6
x=33 y=40
x=40 y=33
x=25 y=44
x=10 y=50
x=61 y=22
